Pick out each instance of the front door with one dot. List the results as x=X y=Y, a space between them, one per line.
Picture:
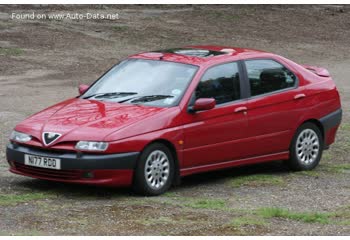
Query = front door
x=215 y=135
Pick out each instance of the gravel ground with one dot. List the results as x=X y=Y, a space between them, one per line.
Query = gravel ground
x=43 y=61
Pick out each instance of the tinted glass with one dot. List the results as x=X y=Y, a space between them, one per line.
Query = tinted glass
x=268 y=76
x=195 y=52
x=220 y=82
x=147 y=82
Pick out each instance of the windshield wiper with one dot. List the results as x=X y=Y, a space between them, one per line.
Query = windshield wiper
x=150 y=98
x=110 y=95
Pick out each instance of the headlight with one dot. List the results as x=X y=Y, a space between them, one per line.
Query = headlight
x=91 y=146
x=20 y=137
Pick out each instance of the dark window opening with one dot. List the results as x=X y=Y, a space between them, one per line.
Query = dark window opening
x=221 y=83
x=192 y=52
x=267 y=76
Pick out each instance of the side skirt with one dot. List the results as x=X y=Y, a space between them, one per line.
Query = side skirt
x=234 y=163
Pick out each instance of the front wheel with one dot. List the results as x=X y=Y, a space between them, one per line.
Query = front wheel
x=306 y=147
x=154 y=172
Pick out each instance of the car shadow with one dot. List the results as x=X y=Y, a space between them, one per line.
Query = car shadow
x=212 y=177
x=74 y=191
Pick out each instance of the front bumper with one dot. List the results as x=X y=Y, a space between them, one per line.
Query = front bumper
x=95 y=169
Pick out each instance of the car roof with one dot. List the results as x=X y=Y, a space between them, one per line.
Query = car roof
x=199 y=55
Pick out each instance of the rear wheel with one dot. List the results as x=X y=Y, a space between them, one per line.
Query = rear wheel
x=154 y=172
x=306 y=147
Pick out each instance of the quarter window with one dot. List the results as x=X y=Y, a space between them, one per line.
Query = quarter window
x=267 y=76
x=221 y=83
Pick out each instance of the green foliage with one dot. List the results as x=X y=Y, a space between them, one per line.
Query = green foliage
x=11 y=51
x=307 y=217
x=257 y=180
x=214 y=204
x=313 y=173
x=120 y=28
x=12 y=199
x=247 y=221
x=339 y=168
x=169 y=194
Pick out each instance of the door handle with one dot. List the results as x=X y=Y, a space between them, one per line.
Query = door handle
x=241 y=109
x=299 y=96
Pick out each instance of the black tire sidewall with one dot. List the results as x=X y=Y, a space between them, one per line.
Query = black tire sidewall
x=140 y=185
x=294 y=162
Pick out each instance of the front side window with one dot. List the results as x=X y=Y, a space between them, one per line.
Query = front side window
x=267 y=76
x=221 y=83
x=146 y=82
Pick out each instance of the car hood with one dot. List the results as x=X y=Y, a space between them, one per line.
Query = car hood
x=90 y=120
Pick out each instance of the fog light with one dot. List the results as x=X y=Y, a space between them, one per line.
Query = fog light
x=88 y=175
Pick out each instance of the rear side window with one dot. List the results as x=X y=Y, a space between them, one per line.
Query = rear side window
x=220 y=82
x=267 y=76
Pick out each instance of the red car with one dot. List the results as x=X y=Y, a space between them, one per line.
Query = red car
x=161 y=115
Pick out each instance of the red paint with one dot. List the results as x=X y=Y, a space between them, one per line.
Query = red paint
x=318 y=70
x=247 y=131
x=204 y=104
x=83 y=88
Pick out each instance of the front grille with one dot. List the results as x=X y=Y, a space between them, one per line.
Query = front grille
x=54 y=149
x=48 y=173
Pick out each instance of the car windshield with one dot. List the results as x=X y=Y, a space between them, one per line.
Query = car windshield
x=146 y=82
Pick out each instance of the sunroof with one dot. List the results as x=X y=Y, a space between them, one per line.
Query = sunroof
x=193 y=52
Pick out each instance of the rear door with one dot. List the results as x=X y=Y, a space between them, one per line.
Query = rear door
x=215 y=135
x=274 y=106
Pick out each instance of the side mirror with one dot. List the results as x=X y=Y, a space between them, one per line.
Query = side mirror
x=83 y=88
x=203 y=104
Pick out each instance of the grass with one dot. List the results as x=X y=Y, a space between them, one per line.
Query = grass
x=11 y=51
x=247 y=221
x=258 y=217
x=339 y=168
x=335 y=168
x=326 y=156
x=343 y=212
x=12 y=199
x=120 y=28
x=307 y=217
x=4 y=165
x=214 y=204
x=345 y=223
x=257 y=180
x=313 y=173
x=345 y=126
x=169 y=194
x=6 y=24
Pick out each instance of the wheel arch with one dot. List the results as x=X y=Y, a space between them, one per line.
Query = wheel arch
x=317 y=123
x=173 y=151
x=294 y=162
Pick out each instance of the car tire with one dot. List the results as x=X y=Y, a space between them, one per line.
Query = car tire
x=154 y=171
x=306 y=148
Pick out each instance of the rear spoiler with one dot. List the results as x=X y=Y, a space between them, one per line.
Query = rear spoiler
x=320 y=71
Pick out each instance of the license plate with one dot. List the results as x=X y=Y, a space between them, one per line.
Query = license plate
x=42 y=162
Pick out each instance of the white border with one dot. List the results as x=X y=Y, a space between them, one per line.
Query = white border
x=178 y=2
x=173 y=2
x=179 y=237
